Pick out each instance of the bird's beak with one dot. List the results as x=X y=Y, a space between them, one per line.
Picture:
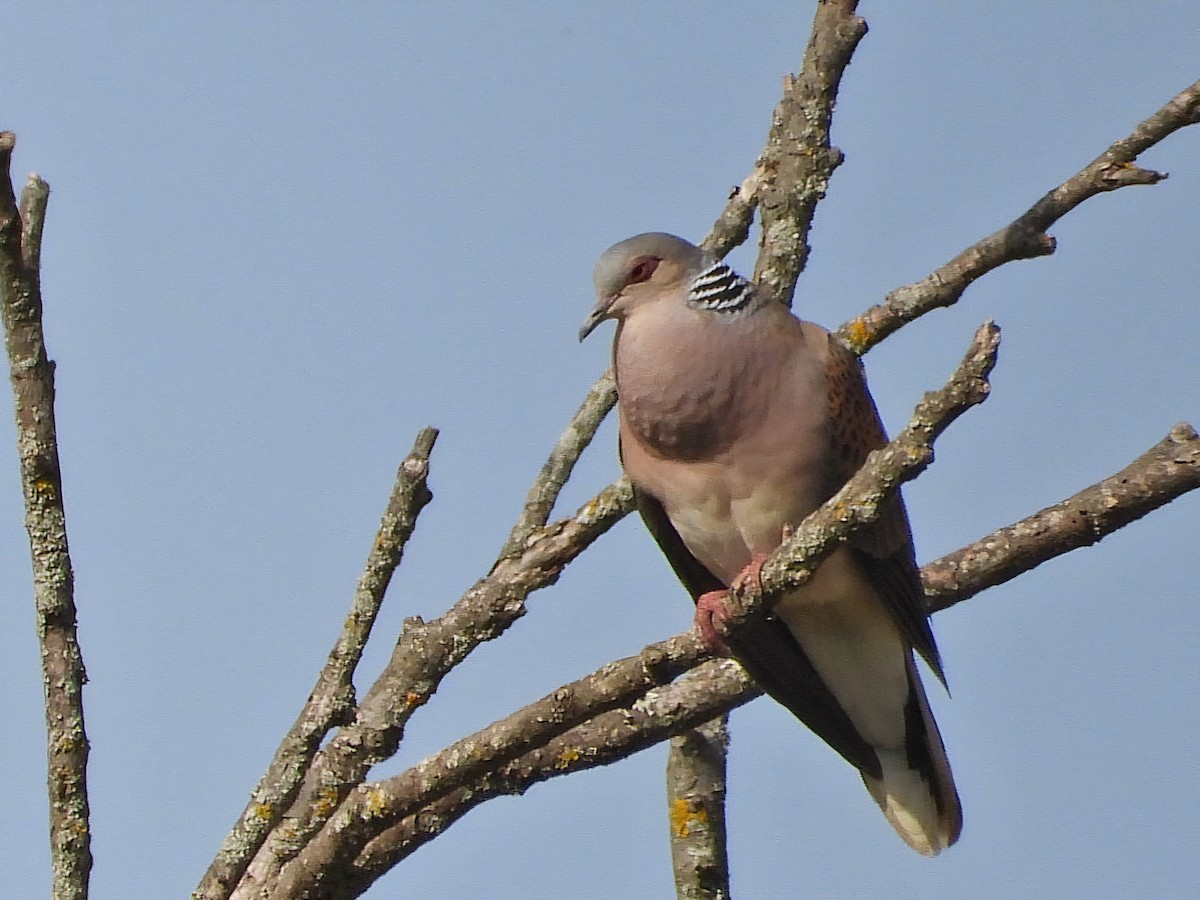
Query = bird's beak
x=598 y=314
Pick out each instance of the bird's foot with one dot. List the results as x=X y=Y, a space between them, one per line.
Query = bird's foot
x=711 y=611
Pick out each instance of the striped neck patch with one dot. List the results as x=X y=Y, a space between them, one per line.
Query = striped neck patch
x=720 y=289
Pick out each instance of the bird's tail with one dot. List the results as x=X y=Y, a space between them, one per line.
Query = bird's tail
x=916 y=791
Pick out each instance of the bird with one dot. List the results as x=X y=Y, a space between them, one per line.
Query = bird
x=736 y=420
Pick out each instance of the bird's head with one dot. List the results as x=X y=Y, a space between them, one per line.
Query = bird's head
x=640 y=270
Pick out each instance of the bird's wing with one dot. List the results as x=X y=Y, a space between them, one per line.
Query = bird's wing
x=767 y=650
x=885 y=549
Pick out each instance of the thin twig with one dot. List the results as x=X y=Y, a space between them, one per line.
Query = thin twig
x=63 y=674
x=574 y=440
x=732 y=227
x=1026 y=237
x=331 y=701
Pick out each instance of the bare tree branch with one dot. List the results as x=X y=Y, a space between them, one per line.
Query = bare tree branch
x=63 y=674
x=558 y=467
x=614 y=685
x=331 y=701
x=423 y=655
x=1026 y=237
x=540 y=723
x=696 y=811
x=1167 y=470
x=706 y=692
x=798 y=160
x=793 y=171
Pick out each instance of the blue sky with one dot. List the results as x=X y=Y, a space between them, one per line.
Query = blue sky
x=282 y=237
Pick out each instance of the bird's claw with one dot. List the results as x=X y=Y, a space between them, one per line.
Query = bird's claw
x=710 y=609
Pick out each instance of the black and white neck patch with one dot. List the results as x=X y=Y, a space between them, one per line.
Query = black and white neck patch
x=720 y=289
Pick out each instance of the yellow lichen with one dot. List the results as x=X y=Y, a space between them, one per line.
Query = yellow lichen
x=859 y=332
x=684 y=817
x=326 y=802
x=376 y=800
x=566 y=757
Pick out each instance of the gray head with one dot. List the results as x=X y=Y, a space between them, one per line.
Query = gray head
x=639 y=269
x=655 y=267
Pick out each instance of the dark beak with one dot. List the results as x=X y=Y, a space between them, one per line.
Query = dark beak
x=598 y=314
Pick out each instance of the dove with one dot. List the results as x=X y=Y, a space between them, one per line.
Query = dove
x=737 y=420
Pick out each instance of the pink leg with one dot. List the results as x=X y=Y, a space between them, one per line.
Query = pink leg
x=710 y=607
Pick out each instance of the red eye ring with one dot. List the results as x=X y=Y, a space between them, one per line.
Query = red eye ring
x=642 y=268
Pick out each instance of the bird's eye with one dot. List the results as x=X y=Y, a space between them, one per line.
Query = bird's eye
x=642 y=269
